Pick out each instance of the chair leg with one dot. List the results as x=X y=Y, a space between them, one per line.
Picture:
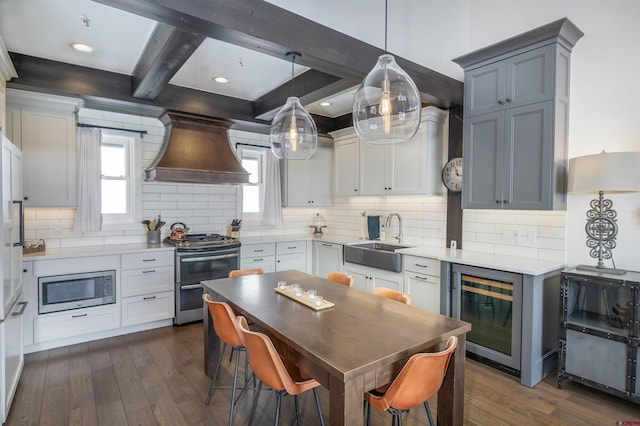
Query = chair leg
x=426 y=406
x=315 y=394
x=368 y=413
x=235 y=385
x=278 y=402
x=215 y=376
x=297 y=405
x=399 y=418
x=255 y=402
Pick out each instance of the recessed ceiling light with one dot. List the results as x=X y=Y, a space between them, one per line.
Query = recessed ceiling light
x=81 y=47
x=325 y=104
x=222 y=80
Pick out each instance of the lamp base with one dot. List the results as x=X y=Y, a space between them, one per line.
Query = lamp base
x=611 y=271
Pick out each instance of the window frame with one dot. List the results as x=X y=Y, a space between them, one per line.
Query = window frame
x=133 y=153
x=259 y=153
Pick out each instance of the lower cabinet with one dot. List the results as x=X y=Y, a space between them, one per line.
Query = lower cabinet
x=327 y=257
x=367 y=279
x=146 y=308
x=271 y=257
x=422 y=282
x=262 y=255
x=75 y=323
x=291 y=255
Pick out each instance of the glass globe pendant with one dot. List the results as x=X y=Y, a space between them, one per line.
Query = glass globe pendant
x=387 y=105
x=293 y=134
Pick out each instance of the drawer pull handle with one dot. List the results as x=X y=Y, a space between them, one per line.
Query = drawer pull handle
x=291 y=248
x=258 y=251
x=148 y=260
x=420 y=278
x=422 y=266
x=149 y=272
x=78 y=316
x=327 y=245
x=258 y=260
x=149 y=297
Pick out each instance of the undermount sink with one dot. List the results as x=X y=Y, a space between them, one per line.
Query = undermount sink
x=375 y=255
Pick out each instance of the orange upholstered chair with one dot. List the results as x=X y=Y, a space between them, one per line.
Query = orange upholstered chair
x=241 y=272
x=393 y=294
x=282 y=376
x=420 y=379
x=226 y=327
x=341 y=278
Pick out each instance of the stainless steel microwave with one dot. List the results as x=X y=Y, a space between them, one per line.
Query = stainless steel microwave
x=75 y=291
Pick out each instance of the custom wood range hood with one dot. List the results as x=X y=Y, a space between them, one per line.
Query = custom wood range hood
x=196 y=150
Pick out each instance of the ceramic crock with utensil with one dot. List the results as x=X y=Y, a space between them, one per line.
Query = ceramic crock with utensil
x=179 y=232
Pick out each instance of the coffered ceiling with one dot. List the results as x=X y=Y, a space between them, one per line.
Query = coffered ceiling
x=157 y=55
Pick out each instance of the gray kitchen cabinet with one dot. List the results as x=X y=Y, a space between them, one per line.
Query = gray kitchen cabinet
x=599 y=333
x=45 y=128
x=516 y=120
x=327 y=258
x=307 y=183
x=346 y=163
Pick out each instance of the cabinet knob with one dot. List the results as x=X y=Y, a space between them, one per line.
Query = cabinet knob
x=508 y=100
x=355 y=190
x=500 y=102
x=498 y=201
x=25 y=198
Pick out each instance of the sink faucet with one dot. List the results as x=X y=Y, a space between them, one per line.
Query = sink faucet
x=388 y=222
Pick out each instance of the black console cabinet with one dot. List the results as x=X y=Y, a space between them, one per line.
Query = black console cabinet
x=599 y=333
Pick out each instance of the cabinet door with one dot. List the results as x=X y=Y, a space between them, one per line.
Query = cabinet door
x=528 y=181
x=361 y=280
x=484 y=89
x=347 y=165
x=327 y=258
x=297 y=261
x=389 y=281
x=424 y=290
x=147 y=308
x=483 y=165
x=529 y=77
x=307 y=183
x=48 y=145
x=374 y=169
x=409 y=171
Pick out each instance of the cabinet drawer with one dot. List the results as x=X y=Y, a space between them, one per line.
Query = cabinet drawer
x=75 y=323
x=152 y=307
x=266 y=263
x=149 y=280
x=423 y=265
x=253 y=250
x=147 y=259
x=288 y=247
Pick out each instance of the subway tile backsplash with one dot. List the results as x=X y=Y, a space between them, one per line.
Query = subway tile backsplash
x=210 y=208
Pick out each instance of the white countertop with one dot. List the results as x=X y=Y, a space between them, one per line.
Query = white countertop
x=66 y=252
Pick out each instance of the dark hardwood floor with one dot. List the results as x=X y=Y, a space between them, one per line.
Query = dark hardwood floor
x=156 y=377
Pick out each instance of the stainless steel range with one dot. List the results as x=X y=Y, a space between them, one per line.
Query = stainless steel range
x=200 y=257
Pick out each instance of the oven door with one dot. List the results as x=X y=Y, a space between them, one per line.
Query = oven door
x=191 y=269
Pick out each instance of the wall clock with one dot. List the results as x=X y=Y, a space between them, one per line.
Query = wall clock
x=452 y=174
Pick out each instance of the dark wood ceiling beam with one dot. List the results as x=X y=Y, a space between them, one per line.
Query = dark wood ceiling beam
x=113 y=91
x=263 y=27
x=309 y=86
x=166 y=51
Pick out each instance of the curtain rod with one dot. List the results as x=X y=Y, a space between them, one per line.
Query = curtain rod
x=142 y=132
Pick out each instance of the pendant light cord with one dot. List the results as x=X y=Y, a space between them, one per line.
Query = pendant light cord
x=386 y=5
x=293 y=81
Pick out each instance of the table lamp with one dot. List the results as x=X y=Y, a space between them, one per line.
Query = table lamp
x=611 y=173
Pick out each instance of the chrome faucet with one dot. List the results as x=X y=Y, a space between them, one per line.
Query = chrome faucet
x=388 y=222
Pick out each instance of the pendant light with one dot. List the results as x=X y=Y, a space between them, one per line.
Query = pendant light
x=387 y=104
x=293 y=133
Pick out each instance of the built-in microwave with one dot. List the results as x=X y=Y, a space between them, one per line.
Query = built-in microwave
x=75 y=291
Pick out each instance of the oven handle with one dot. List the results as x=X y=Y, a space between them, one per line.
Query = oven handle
x=200 y=259
x=190 y=287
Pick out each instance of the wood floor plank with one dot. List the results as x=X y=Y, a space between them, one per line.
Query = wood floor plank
x=156 y=378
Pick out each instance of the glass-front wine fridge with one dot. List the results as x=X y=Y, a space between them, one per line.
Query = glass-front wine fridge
x=491 y=301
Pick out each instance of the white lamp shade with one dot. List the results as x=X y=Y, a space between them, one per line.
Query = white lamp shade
x=614 y=172
x=387 y=104
x=293 y=133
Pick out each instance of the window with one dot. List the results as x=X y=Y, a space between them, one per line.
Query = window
x=120 y=185
x=252 y=199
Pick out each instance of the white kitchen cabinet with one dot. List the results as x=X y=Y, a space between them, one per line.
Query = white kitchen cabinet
x=77 y=322
x=327 y=257
x=262 y=255
x=147 y=287
x=410 y=168
x=11 y=356
x=291 y=255
x=307 y=183
x=11 y=219
x=346 y=163
x=422 y=282
x=516 y=116
x=46 y=134
x=367 y=279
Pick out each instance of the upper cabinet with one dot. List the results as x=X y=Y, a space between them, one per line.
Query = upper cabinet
x=516 y=120
x=45 y=128
x=307 y=183
x=410 y=168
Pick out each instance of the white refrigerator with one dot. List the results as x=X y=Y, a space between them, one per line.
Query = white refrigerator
x=12 y=305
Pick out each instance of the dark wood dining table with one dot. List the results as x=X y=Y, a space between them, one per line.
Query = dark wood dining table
x=359 y=344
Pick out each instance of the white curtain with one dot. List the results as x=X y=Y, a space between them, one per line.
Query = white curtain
x=88 y=215
x=272 y=196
